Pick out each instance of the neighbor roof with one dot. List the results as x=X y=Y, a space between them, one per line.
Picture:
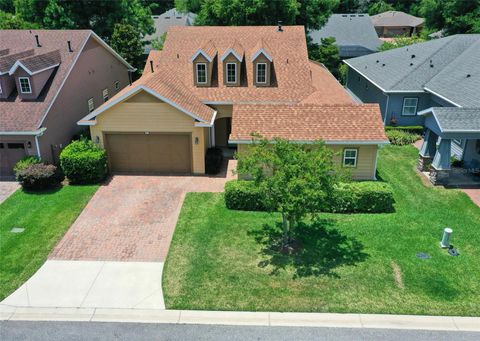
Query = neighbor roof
x=452 y=119
x=309 y=122
x=26 y=115
x=441 y=66
x=396 y=19
x=354 y=34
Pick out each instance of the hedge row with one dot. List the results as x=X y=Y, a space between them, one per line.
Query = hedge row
x=38 y=176
x=402 y=137
x=354 y=197
x=409 y=129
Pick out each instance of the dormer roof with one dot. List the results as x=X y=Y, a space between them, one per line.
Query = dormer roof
x=261 y=48
x=4 y=52
x=236 y=49
x=6 y=62
x=38 y=63
x=209 y=51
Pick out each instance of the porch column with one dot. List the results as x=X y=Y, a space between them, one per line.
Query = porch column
x=428 y=150
x=440 y=170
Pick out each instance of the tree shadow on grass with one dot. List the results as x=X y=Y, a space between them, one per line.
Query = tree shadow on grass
x=318 y=249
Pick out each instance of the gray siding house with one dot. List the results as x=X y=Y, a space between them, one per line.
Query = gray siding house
x=435 y=84
x=49 y=79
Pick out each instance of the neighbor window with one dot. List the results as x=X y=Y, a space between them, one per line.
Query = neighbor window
x=262 y=73
x=117 y=85
x=25 y=87
x=231 y=72
x=350 y=157
x=201 y=73
x=105 y=94
x=0 y=89
x=410 y=106
x=91 y=105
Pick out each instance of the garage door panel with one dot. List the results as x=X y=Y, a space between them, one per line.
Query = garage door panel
x=152 y=153
x=10 y=154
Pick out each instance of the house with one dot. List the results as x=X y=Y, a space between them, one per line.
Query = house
x=215 y=86
x=395 y=23
x=354 y=34
x=163 y=22
x=49 y=79
x=435 y=84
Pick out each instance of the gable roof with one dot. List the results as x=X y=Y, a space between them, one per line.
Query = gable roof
x=395 y=19
x=208 y=50
x=354 y=34
x=440 y=65
x=17 y=115
x=309 y=122
x=452 y=119
x=37 y=63
x=236 y=49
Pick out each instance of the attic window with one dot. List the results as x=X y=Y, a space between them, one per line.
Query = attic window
x=201 y=73
x=231 y=72
x=25 y=87
x=261 y=73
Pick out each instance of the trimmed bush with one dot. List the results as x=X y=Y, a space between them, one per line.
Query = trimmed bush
x=39 y=176
x=409 y=129
x=83 y=162
x=362 y=197
x=354 y=197
x=401 y=137
x=24 y=163
x=213 y=160
x=243 y=195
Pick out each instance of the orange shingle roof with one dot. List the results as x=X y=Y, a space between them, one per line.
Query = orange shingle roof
x=309 y=122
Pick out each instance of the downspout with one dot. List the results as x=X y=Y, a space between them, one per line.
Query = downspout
x=37 y=144
x=386 y=110
x=376 y=162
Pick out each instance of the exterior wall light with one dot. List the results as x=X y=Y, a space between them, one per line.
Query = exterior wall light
x=197 y=140
x=29 y=145
x=97 y=139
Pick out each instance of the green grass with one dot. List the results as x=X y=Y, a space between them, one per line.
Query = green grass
x=46 y=216
x=226 y=260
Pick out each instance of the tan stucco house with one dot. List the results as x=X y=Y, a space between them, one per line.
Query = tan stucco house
x=49 y=79
x=215 y=86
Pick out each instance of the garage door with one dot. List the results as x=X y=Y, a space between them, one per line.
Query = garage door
x=150 y=153
x=10 y=154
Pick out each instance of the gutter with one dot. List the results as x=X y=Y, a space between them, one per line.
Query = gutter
x=333 y=142
x=38 y=132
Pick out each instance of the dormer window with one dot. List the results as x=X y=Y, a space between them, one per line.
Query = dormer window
x=261 y=73
x=25 y=87
x=232 y=73
x=201 y=73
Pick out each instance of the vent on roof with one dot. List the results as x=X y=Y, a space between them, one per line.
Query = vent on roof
x=156 y=17
x=167 y=17
x=280 y=28
x=151 y=65
x=411 y=64
x=178 y=17
x=383 y=64
x=69 y=46
x=469 y=75
x=360 y=15
x=378 y=61
x=178 y=56
x=344 y=15
x=413 y=56
x=38 y=41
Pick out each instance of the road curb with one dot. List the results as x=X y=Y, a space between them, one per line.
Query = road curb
x=375 y=321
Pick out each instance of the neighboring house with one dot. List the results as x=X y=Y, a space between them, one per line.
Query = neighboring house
x=395 y=23
x=435 y=84
x=49 y=79
x=354 y=34
x=163 y=22
x=215 y=86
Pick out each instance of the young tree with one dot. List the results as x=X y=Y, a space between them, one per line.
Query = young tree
x=297 y=179
x=400 y=42
x=327 y=53
x=126 y=40
x=157 y=43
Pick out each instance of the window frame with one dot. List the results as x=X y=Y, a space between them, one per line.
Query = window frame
x=103 y=95
x=90 y=100
x=410 y=106
x=1 y=90
x=117 y=85
x=29 y=85
x=256 y=73
x=196 y=73
x=235 y=73
x=345 y=157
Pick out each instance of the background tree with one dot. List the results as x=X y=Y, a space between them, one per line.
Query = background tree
x=9 y=21
x=326 y=53
x=126 y=40
x=401 y=42
x=157 y=43
x=57 y=17
x=379 y=7
x=296 y=179
x=159 y=6
x=7 y=6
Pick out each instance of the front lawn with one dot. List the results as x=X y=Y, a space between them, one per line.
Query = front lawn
x=45 y=216
x=364 y=263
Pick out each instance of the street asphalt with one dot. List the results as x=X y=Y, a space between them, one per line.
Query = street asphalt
x=52 y=331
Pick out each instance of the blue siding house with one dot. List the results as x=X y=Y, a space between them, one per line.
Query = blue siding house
x=435 y=84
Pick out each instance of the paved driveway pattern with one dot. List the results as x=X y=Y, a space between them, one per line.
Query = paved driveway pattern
x=7 y=188
x=132 y=218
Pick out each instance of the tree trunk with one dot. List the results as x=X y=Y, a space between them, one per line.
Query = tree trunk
x=286 y=230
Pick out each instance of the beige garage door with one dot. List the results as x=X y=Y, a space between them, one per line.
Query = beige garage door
x=149 y=153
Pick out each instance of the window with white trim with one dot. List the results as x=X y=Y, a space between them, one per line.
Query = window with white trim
x=25 y=87
x=117 y=85
x=350 y=156
x=409 y=106
x=105 y=94
x=261 y=73
x=1 y=91
x=91 y=105
x=231 y=72
x=201 y=73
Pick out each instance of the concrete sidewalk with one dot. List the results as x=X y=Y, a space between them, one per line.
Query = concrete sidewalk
x=412 y=322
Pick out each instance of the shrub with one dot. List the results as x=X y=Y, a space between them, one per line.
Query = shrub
x=213 y=160
x=83 y=162
x=401 y=137
x=353 y=197
x=361 y=197
x=243 y=195
x=25 y=163
x=39 y=176
x=409 y=129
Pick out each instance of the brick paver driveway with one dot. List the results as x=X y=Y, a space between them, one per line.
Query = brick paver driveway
x=132 y=218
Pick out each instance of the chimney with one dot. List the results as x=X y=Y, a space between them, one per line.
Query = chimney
x=69 y=46
x=151 y=66
x=280 y=28
x=38 y=41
